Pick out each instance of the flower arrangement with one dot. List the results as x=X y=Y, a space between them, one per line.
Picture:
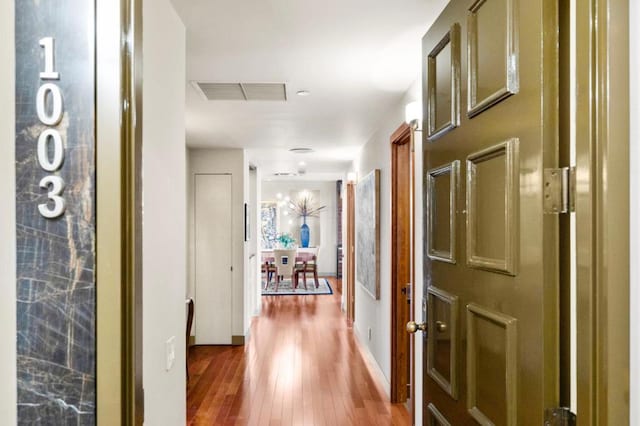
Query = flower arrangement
x=305 y=206
x=286 y=241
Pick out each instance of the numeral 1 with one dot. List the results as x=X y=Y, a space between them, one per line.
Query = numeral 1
x=49 y=65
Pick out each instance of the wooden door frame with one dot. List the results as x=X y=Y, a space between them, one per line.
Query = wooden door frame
x=350 y=248
x=401 y=312
x=602 y=211
x=119 y=390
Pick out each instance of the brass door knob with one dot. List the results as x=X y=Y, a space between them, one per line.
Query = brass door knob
x=413 y=327
x=441 y=327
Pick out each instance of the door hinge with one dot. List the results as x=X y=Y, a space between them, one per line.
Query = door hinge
x=559 y=190
x=559 y=417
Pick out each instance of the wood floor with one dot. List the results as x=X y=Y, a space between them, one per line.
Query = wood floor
x=302 y=366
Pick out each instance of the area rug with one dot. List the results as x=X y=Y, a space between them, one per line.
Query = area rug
x=286 y=288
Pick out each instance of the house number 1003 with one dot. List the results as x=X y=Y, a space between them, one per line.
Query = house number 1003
x=50 y=145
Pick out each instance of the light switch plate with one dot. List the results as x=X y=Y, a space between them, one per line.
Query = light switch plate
x=170 y=352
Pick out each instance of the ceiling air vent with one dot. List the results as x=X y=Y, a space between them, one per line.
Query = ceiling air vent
x=301 y=150
x=285 y=174
x=241 y=91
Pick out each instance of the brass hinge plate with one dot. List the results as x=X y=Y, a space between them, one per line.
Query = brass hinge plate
x=559 y=190
x=559 y=417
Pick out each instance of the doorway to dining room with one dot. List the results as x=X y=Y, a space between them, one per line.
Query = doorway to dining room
x=298 y=236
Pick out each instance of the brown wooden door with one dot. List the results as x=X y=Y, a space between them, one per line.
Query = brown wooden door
x=401 y=260
x=491 y=254
x=351 y=251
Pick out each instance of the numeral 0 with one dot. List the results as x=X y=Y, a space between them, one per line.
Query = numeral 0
x=49 y=118
x=43 y=150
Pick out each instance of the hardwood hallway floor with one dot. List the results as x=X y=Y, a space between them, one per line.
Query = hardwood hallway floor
x=302 y=366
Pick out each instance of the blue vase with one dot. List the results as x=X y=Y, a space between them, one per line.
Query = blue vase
x=304 y=235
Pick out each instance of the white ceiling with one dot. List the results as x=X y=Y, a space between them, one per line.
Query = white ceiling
x=357 y=57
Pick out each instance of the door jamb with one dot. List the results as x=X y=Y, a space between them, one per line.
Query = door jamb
x=399 y=338
x=119 y=397
x=602 y=211
x=351 y=275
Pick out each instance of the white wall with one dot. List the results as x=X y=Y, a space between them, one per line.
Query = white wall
x=164 y=212
x=376 y=314
x=257 y=226
x=231 y=161
x=7 y=219
x=634 y=38
x=252 y=254
x=328 y=219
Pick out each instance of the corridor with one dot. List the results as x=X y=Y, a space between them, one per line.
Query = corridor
x=302 y=366
x=468 y=166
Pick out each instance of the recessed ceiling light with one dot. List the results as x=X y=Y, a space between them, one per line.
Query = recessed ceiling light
x=303 y=93
x=302 y=164
x=301 y=150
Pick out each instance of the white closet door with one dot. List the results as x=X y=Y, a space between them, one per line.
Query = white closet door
x=213 y=247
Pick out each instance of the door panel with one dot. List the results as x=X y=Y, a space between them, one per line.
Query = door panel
x=443 y=84
x=213 y=259
x=492 y=53
x=441 y=199
x=498 y=348
x=442 y=348
x=435 y=417
x=492 y=210
x=491 y=366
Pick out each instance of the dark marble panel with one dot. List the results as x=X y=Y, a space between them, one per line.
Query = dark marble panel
x=56 y=289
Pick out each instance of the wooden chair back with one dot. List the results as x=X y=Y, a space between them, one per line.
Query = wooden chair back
x=285 y=261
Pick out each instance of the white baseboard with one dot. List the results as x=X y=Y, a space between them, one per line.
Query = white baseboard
x=372 y=363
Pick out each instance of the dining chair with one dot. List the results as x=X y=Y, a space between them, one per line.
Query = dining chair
x=268 y=268
x=190 y=312
x=285 y=261
x=306 y=263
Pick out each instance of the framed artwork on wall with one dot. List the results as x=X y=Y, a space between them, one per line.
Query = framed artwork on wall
x=269 y=225
x=368 y=233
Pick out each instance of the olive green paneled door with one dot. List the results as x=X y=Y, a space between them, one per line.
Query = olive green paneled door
x=491 y=253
